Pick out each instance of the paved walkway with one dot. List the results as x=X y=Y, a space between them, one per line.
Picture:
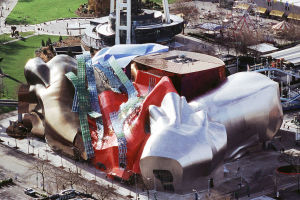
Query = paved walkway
x=6 y=6
x=11 y=41
x=64 y=27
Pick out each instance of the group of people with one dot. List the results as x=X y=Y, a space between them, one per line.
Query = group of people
x=286 y=5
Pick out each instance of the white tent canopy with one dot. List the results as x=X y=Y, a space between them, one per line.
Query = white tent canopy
x=263 y=48
x=282 y=26
x=291 y=55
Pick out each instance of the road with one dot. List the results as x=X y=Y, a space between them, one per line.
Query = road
x=17 y=166
x=19 y=161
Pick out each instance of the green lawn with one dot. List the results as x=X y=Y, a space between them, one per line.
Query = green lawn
x=160 y=1
x=6 y=37
x=15 y=56
x=37 y=11
x=24 y=34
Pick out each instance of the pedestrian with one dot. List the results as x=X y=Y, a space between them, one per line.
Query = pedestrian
x=269 y=2
x=287 y=6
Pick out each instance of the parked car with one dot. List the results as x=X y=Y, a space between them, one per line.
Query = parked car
x=29 y=191
x=70 y=193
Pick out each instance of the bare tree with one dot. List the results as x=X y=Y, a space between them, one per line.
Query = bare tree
x=214 y=195
x=72 y=177
x=88 y=187
x=42 y=168
x=103 y=193
x=57 y=178
x=188 y=9
x=292 y=34
x=244 y=39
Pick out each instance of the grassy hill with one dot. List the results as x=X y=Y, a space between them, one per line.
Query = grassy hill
x=37 y=11
x=15 y=56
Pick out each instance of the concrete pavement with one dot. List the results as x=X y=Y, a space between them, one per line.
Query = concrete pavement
x=44 y=152
x=63 y=27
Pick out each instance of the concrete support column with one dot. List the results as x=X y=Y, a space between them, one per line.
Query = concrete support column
x=128 y=23
x=166 y=11
x=112 y=6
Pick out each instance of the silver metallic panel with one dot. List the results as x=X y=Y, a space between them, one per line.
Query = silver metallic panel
x=182 y=141
x=189 y=140
x=248 y=104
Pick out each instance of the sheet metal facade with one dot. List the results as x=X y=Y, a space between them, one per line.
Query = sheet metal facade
x=291 y=55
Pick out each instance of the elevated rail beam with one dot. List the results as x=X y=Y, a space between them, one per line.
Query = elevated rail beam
x=8 y=102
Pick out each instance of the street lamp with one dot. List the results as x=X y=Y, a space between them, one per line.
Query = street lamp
x=136 y=192
x=1 y=11
x=113 y=174
x=28 y=142
x=196 y=194
x=46 y=152
x=149 y=179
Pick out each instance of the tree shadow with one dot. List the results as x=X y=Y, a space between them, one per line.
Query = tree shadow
x=25 y=0
x=18 y=21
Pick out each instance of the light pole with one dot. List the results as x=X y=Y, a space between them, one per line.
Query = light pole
x=147 y=188
x=196 y=194
x=136 y=192
x=149 y=179
x=112 y=178
x=37 y=179
x=208 y=189
x=46 y=152
x=16 y=143
x=28 y=142
x=1 y=11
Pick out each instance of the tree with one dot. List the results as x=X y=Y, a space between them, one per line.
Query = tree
x=188 y=9
x=214 y=195
x=69 y=53
x=45 y=51
x=41 y=167
x=49 y=42
x=88 y=187
x=13 y=29
x=16 y=34
x=72 y=177
x=103 y=193
x=51 y=48
x=56 y=177
x=292 y=34
x=43 y=43
x=244 y=39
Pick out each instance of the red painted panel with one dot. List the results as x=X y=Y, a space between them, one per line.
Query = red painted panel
x=136 y=137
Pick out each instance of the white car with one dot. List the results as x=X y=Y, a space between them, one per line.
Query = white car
x=70 y=193
x=29 y=191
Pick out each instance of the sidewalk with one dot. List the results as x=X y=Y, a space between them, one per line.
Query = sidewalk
x=43 y=151
x=62 y=27
x=11 y=41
